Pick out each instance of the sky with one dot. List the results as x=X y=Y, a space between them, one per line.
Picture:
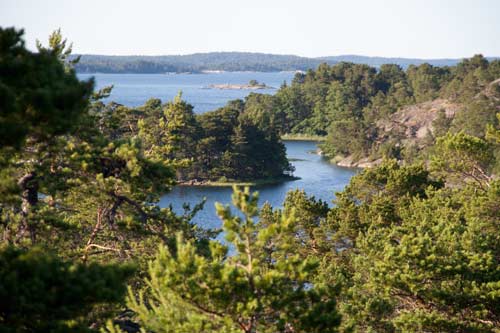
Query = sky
x=313 y=28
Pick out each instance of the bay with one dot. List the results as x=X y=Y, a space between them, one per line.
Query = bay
x=136 y=89
x=318 y=177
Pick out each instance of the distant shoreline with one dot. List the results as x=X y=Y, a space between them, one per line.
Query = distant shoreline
x=188 y=73
x=219 y=62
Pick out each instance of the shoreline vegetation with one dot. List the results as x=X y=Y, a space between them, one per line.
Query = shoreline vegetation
x=365 y=114
x=216 y=62
x=411 y=245
x=230 y=183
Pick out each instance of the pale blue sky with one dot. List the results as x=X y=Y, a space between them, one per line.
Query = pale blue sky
x=396 y=28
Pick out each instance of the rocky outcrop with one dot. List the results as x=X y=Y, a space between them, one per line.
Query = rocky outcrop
x=413 y=125
x=350 y=162
x=410 y=125
x=415 y=122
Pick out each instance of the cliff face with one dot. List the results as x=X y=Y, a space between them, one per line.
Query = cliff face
x=412 y=124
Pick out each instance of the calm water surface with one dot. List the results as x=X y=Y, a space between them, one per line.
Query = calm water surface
x=318 y=177
x=135 y=89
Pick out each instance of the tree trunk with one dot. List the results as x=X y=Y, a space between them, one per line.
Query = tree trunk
x=29 y=198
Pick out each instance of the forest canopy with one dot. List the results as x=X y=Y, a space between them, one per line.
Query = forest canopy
x=231 y=62
x=371 y=113
x=410 y=245
x=223 y=145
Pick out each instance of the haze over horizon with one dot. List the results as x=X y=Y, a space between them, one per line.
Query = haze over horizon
x=279 y=54
x=410 y=29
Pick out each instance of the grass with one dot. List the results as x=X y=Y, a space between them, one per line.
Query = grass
x=302 y=137
x=230 y=183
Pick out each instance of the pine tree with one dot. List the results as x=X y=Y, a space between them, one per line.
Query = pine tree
x=42 y=293
x=257 y=286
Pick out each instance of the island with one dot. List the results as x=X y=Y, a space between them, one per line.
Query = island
x=251 y=85
x=223 y=147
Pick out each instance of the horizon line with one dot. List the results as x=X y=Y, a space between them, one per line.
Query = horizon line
x=285 y=54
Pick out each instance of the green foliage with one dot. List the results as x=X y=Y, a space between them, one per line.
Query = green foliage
x=260 y=287
x=42 y=293
x=350 y=103
x=57 y=46
x=438 y=266
x=99 y=179
x=231 y=61
x=223 y=143
x=78 y=180
x=42 y=101
x=426 y=81
x=463 y=159
x=441 y=124
x=474 y=117
x=492 y=133
x=398 y=252
x=38 y=96
x=414 y=256
x=373 y=198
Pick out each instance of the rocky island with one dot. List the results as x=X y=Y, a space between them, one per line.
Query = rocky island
x=251 y=85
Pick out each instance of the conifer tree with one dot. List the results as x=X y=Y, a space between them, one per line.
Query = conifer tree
x=42 y=102
x=257 y=286
x=42 y=293
x=463 y=158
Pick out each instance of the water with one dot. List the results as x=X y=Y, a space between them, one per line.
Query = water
x=135 y=89
x=318 y=178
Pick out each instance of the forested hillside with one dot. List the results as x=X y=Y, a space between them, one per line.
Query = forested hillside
x=222 y=61
x=368 y=113
x=411 y=245
x=231 y=61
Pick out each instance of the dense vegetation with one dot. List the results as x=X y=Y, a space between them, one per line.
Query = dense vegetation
x=375 y=113
x=223 y=145
x=230 y=61
x=400 y=251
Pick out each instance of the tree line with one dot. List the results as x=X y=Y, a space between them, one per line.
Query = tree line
x=347 y=102
x=230 y=62
x=222 y=145
x=86 y=248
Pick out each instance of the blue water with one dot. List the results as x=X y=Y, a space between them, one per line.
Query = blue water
x=135 y=89
x=319 y=178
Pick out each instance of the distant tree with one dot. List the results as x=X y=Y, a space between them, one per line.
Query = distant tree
x=57 y=46
x=441 y=124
